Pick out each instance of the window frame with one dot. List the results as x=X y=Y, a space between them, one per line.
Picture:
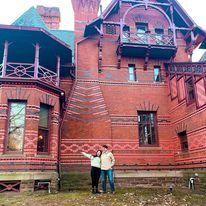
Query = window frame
x=45 y=129
x=160 y=78
x=182 y=135
x=6 y=150
x=189 y=101
x=155 y=129
x=134 y=73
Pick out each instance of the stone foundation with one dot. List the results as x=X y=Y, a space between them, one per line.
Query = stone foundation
x=27 y=179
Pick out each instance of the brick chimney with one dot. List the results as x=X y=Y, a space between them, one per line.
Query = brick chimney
x=50 y=15
x=84 y=12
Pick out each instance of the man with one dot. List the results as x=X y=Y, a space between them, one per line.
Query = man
x=107 y=162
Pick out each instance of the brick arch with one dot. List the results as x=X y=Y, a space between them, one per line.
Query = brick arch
x=148 y=106
x=47 y=99
x=159 y=25
x=151 y=6
x=18 y=93
x=140 y=18
x=181 y=128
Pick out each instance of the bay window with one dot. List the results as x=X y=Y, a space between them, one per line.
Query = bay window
x=16 y=126
x=44 y=129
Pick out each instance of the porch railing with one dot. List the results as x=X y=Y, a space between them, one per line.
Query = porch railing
x=148 y=39
x=27 y=71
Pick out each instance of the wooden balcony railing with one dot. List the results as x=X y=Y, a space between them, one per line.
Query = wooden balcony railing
x=27 y=71
x=187 y=68
x=148 y=39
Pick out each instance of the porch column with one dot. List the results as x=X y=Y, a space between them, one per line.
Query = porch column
x=58 y=70
x=5 y=58
x=36 y=62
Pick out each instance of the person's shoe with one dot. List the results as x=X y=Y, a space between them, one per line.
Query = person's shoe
x=93 y=191
x=98 y=192
x=113 y=192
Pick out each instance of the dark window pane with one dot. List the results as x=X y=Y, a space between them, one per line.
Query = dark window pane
x=16 y=126
x=43 y=134
x=183 y=141
x=44 y=116
x=42 y=145
x=147 y=128
x=190 y=90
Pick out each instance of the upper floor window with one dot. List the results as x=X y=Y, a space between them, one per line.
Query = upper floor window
x=183 y=141
x=190 y=90
x=16 y=126
x=159 y=36
x=142 y=28
x=44 y=127
x=147 y=122
x=132 y=75
x=110 y=29
x=157 y=74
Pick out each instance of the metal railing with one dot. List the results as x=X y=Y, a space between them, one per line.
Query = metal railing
x=148 y=39
x=27 y=71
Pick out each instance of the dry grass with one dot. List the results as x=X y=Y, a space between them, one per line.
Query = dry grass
x=123 y=197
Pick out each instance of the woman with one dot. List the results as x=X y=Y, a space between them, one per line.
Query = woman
x=95 y=169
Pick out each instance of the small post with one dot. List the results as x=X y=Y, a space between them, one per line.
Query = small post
x=5 y=58
x=58 y=70
x=36 y=63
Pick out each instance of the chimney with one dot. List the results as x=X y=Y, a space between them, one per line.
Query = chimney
x=50 y=15
x=84 y=12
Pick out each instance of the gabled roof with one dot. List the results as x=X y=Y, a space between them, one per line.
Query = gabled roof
x=182 y=16
x=30 y=18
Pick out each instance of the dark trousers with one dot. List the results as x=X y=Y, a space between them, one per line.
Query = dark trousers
x=95 y=175
x=104 y=175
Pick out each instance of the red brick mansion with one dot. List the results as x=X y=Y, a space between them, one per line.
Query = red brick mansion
x=124 y=77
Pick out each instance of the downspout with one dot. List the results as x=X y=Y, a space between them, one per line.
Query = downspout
x=63 y=112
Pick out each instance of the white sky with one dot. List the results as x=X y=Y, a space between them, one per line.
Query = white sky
x=10 y=10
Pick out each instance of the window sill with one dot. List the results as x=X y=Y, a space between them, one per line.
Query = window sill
x=12 y=155
x=43 y=155
x=149 y=148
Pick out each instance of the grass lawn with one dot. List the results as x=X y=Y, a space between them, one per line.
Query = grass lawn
x=123 y=197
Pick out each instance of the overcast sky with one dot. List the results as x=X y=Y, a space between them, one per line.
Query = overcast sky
x=12 y=9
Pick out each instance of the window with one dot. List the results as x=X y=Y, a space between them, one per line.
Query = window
x=142 y=29
x=159 y=36
x=157 y=74
x=110 y=29
x=183 y=141
x=190 y=90
x=147 y=128
x=16 y=127
x=44 y=126
x=132 y=76
x=126 y=33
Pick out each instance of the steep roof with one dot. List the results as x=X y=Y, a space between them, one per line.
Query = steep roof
x=203 y=58
x=31 y=18
x=182 y=16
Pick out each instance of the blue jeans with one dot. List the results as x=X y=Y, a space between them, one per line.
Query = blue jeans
x=104 y=175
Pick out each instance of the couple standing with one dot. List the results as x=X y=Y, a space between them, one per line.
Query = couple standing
x=101 y=164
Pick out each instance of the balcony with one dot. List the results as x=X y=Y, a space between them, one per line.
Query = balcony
x=157 y=46
x=26 y=71
x=31 y=54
